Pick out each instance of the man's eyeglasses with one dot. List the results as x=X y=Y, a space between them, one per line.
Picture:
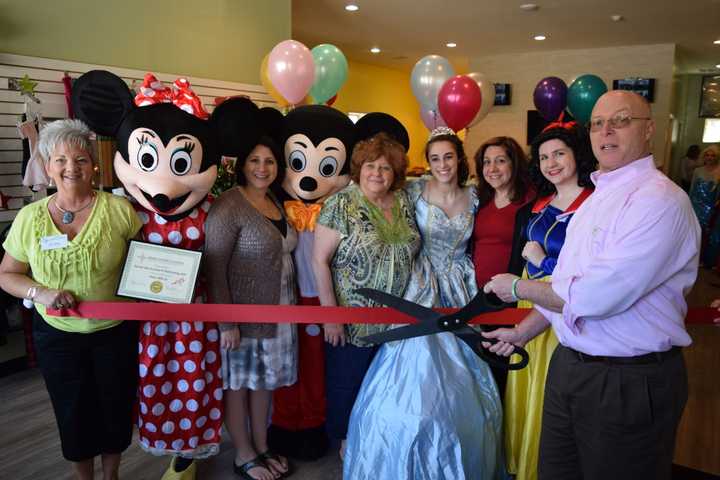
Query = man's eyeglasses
x=621 y=120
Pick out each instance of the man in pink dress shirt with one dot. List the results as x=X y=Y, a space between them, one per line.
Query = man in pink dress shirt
x=617 y=383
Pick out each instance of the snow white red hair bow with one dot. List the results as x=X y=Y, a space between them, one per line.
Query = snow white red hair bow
x=560 y=124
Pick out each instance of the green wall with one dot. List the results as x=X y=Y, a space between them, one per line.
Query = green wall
x=218 y=39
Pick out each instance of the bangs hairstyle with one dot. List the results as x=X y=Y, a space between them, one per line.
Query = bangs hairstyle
x=68 y=132
x=268 y=142
x=380 y=145
x=463 y=170
x=577 y=140
x=519 y=179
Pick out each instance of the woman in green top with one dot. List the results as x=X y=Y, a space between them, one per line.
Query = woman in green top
x=67 y=248
x=365 y=237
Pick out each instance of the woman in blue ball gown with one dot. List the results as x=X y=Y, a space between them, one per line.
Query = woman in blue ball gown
x=429 y=407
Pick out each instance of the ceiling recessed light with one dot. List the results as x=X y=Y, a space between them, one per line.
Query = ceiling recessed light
x=352 y=8
x=375 y=50
x=617 y=18
x=717 y=66
x=451 y=45
x=539 y=37
x=529 y=7
x=717 y=42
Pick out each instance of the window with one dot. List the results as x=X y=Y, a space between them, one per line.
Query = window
x=711 y=132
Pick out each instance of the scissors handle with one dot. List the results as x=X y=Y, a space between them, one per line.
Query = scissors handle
x=473 y=339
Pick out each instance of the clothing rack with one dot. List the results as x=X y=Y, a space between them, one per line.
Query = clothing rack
x=49 y=101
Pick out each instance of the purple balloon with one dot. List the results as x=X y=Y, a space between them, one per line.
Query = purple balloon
x=550 y=97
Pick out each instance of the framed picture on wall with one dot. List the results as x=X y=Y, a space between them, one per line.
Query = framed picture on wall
x=502 y=94
x=710 y=97
x=641 y=86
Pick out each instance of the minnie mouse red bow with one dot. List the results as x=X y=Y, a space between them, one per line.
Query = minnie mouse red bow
x=153 y=91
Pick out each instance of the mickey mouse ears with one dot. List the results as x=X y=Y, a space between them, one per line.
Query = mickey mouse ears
x=237 y=125
x=102 y=100
x=271 y=122
x=373 y=123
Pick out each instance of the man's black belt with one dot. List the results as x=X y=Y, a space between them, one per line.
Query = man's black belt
x=654 y=357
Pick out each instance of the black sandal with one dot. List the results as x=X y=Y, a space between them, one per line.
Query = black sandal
x=268 y=455
x=243 y=469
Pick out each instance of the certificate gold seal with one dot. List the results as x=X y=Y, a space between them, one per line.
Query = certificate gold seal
x=156 y=286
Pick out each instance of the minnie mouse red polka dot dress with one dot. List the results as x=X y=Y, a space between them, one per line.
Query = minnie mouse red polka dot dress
x=180 y=385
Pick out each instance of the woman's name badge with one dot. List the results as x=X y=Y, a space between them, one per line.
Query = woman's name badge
x=51 y=242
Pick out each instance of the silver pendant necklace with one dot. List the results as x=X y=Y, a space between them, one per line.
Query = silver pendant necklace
x=69 y=216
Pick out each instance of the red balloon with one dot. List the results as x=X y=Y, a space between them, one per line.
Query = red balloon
x=459 y=101
x=331 y=100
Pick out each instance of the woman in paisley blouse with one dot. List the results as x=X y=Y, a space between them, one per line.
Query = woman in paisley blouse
x=365 y=237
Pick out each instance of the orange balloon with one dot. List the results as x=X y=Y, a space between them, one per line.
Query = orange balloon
x=265 y=79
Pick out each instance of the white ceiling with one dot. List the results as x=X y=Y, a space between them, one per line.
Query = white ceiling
x=407 y=30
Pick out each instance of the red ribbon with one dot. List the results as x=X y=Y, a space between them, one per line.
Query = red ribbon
x=228 y=313
x=153 y=91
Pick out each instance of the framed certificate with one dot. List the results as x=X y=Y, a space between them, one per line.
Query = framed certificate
x=158 y=273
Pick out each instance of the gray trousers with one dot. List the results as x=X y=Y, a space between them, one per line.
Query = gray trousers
x=603 y=420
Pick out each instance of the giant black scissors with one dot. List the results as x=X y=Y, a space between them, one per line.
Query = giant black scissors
x=431 y=322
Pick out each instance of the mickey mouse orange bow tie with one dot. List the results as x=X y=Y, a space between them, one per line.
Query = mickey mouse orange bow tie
x=302 y=216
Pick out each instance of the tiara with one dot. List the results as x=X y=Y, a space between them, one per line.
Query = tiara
x=436 y=132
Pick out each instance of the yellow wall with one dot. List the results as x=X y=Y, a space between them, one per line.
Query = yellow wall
x=219 y=39
x=370 y=88
x=524 y=70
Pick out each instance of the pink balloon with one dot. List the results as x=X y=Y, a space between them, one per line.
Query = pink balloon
x=431 y=118
x=291 y=70
x=459 y=101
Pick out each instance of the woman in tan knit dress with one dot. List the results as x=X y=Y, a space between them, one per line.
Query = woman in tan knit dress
x=247 y=258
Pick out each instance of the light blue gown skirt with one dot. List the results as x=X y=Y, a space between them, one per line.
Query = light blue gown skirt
x=428 y=409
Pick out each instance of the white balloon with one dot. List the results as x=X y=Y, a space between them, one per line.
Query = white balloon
x=428 y=76
x=487 y=94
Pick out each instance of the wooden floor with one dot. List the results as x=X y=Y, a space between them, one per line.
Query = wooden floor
x=30 y=445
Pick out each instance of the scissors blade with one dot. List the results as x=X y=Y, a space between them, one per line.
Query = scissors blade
x=481 y=303
x=407 y=307
x=403 y=333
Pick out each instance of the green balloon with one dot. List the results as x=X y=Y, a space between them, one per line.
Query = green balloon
x=331 y=69
x=582 y=95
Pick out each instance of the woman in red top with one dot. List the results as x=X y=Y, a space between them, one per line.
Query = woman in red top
x=503 y=187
